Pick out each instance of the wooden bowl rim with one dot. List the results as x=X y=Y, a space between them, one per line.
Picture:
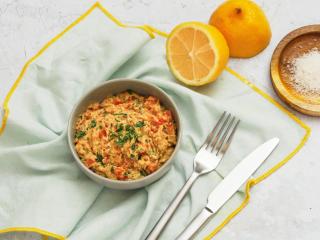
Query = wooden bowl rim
x=298 y=104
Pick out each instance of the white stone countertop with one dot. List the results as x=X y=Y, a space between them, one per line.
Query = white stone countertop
x=284 y=206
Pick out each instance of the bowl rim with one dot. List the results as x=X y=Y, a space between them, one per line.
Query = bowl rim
x=304 y=107
x=113 y=181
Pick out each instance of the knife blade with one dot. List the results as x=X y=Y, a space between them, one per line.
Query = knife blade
x=229 y=186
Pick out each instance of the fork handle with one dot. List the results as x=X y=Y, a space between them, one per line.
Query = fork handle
x=195 y=225
x=166 y=216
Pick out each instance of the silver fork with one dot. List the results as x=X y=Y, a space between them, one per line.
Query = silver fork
x=205 y=161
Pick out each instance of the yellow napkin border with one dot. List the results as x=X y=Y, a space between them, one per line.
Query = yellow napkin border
x=152 y=31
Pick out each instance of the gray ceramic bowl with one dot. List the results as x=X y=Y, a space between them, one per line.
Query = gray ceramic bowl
x=113 y=87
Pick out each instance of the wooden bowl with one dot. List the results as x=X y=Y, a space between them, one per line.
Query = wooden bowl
x=295 y=44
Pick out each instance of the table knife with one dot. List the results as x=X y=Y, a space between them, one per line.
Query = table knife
x=229 y=186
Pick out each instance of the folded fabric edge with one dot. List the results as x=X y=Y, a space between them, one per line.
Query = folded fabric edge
x=151 y=31
x=43 y=233
x=5 y=107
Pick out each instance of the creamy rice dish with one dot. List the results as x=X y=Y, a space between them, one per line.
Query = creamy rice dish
x=126 y=136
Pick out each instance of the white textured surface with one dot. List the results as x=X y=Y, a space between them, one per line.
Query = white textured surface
x=286 y=205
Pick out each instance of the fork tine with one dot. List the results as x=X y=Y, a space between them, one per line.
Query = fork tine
x=226 y=144
x=221 y=140
x=215 y=140
x=210 y=136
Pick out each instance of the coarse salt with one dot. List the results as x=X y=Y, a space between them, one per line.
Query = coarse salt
x=305 y=71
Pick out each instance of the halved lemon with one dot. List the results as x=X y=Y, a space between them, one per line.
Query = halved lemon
x=196 y=53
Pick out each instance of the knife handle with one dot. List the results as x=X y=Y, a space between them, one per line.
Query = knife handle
x=195 y=224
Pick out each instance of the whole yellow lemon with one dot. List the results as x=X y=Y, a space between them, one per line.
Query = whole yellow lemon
x=244 y=26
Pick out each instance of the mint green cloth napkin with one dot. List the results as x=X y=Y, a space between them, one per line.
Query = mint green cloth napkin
x=42 y=187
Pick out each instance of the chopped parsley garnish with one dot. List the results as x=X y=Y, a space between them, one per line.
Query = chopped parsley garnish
x=132 y=156
x=80 y=134
x=99 y=158
x=129 y=128
x=120 y=114
x=126 y=137
x=133 y=147
x=130 y=132
x=93 y=123
x=140 y=124
x=119 y=127
x=123 y=134
x=120 y=141
x=112 y=135
x=143 y=172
